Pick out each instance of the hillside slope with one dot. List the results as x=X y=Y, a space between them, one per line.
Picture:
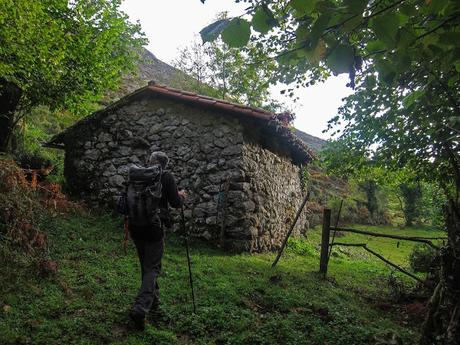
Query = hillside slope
x=240 y=300
x=150 y=68
x=311 y=141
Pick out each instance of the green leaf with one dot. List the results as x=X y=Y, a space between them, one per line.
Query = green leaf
x=263 y=20
x=402 y=61
x=370 y=81
x=373 y=46
x=403 y=18
x=302 y=33
x=430 y=40
x=453 y=80
x=351 y=24
x=355 y=6
x=212 y=31
x=408 y=9
x=457 y=65
x=341 y=59
x=318 y=28
x=237 y=33
x=326 y=6
x=314 y=56
x=449 y=39
x=437 y=6
x=386 y=27
x=303 y=6
x=412 y=97
x=454 y=120
x=406 y=37
x=386 y=71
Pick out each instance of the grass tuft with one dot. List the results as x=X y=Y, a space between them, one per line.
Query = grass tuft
x=240 y=299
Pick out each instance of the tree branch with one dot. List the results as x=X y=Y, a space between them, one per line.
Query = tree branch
x=437 y=27
x=384 y=9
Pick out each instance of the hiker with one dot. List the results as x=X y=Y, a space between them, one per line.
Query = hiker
x=148 y=193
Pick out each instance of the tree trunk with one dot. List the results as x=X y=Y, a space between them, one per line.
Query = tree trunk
x=10 y=95
x=442 y=324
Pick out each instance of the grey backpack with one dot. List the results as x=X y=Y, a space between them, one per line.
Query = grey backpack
x=143 y=194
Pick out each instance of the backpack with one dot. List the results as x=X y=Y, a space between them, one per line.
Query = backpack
x=143 y=194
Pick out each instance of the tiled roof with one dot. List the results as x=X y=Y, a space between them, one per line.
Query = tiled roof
x=209 y=101
x=299 y=151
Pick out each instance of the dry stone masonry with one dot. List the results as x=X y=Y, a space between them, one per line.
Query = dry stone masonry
x=242 y=195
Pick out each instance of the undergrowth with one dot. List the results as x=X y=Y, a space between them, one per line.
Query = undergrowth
x=26 y=210
x=85 y=292
x=240 y=299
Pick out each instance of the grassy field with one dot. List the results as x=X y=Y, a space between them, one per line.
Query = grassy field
x=240 y=299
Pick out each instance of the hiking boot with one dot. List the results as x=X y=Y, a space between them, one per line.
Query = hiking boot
x=156 y=313
x=137 y=319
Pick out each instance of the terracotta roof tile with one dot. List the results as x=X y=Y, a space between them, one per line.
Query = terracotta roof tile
x=205 y=100
x=299 y=151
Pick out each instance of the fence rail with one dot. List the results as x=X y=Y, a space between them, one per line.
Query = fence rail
x=326 y=245
x=396 y=237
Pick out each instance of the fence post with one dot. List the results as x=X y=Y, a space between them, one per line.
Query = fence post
x=325 y=241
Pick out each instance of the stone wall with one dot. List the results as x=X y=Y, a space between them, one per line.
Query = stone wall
x=241 y=196
x=274 y=195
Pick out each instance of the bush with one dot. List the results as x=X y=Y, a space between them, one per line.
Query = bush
x=26 y=209
x=421 y=258
x=300 y=247
x=35 y=160
x=21 y=218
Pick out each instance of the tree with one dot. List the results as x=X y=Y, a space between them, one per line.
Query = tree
x=340 y=158
x=403 y=60
x=61 y=54
x=220 y=71
x=412 y=195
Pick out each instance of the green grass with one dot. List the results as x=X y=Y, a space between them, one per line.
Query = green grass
x=240 y=299
x=394 y=250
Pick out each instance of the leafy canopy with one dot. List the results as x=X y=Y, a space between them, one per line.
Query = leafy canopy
x=218 y=70
x=65 y=54
x=402 y=57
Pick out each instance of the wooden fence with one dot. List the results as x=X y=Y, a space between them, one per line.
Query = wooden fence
x=327 y=244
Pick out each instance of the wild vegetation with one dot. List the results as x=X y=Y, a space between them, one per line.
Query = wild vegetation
x=400 y=56
x=240 y=300
x=395 y=162
x=218 y=70
x=60 y=54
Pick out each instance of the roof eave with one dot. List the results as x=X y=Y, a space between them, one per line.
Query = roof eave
x=298 y=148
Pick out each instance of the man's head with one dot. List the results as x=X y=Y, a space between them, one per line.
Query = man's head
x=159 y=157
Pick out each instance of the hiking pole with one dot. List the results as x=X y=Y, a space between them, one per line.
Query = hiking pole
x=292 y=228
x=126 y=238
x=188 y=257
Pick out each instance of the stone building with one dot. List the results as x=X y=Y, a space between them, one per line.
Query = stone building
x=240 y=166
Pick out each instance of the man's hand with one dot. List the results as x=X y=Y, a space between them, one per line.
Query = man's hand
x=182 y=193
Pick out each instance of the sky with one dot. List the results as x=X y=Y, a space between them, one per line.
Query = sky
x=173 y=24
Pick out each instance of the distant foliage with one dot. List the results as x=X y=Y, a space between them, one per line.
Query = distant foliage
x=35 y=130
x=434 y=203
x=422 y=257
x=406 y=197
x=220 y=71
x=412 y=195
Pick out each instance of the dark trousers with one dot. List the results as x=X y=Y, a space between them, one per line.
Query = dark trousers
x=150 y=253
